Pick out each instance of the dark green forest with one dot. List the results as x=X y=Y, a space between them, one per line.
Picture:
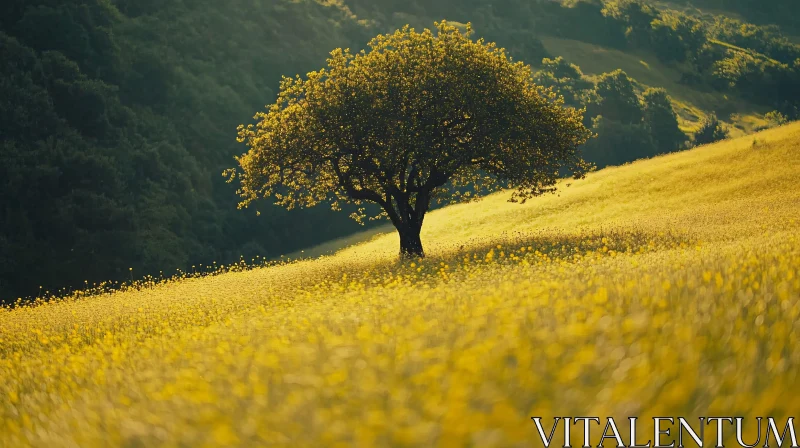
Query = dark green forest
x=117 y=117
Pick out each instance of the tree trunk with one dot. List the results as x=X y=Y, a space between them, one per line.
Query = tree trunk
x=410 y=243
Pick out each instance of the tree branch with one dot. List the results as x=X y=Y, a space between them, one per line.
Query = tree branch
x=347 y=184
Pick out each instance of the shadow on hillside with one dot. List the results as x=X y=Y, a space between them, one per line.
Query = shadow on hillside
x=557 y=243
x=542 y=247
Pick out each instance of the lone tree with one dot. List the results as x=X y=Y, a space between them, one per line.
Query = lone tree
x=419 y=117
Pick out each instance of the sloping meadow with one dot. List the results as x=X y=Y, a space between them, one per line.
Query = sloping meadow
x=668 y=287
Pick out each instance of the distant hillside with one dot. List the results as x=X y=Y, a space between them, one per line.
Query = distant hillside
x=691 y=104
x=774 y=12
x=118 y=119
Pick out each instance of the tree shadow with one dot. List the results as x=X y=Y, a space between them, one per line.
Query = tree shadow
x=549 y=246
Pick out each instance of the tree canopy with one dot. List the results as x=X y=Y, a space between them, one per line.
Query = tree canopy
x=711 y=130
x=662 y=120
x=418 y=117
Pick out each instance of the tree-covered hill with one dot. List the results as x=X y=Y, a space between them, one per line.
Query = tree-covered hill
x=775 y=12
x=117 y=117
x=117 y=120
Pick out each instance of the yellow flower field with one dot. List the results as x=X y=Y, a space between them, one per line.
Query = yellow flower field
x=668 y=287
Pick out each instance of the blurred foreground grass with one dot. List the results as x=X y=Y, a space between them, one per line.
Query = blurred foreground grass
x=669 y=287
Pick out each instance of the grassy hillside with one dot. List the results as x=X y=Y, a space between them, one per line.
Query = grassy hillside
x=690 y=104
x=665 y=287
x=123 y=113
